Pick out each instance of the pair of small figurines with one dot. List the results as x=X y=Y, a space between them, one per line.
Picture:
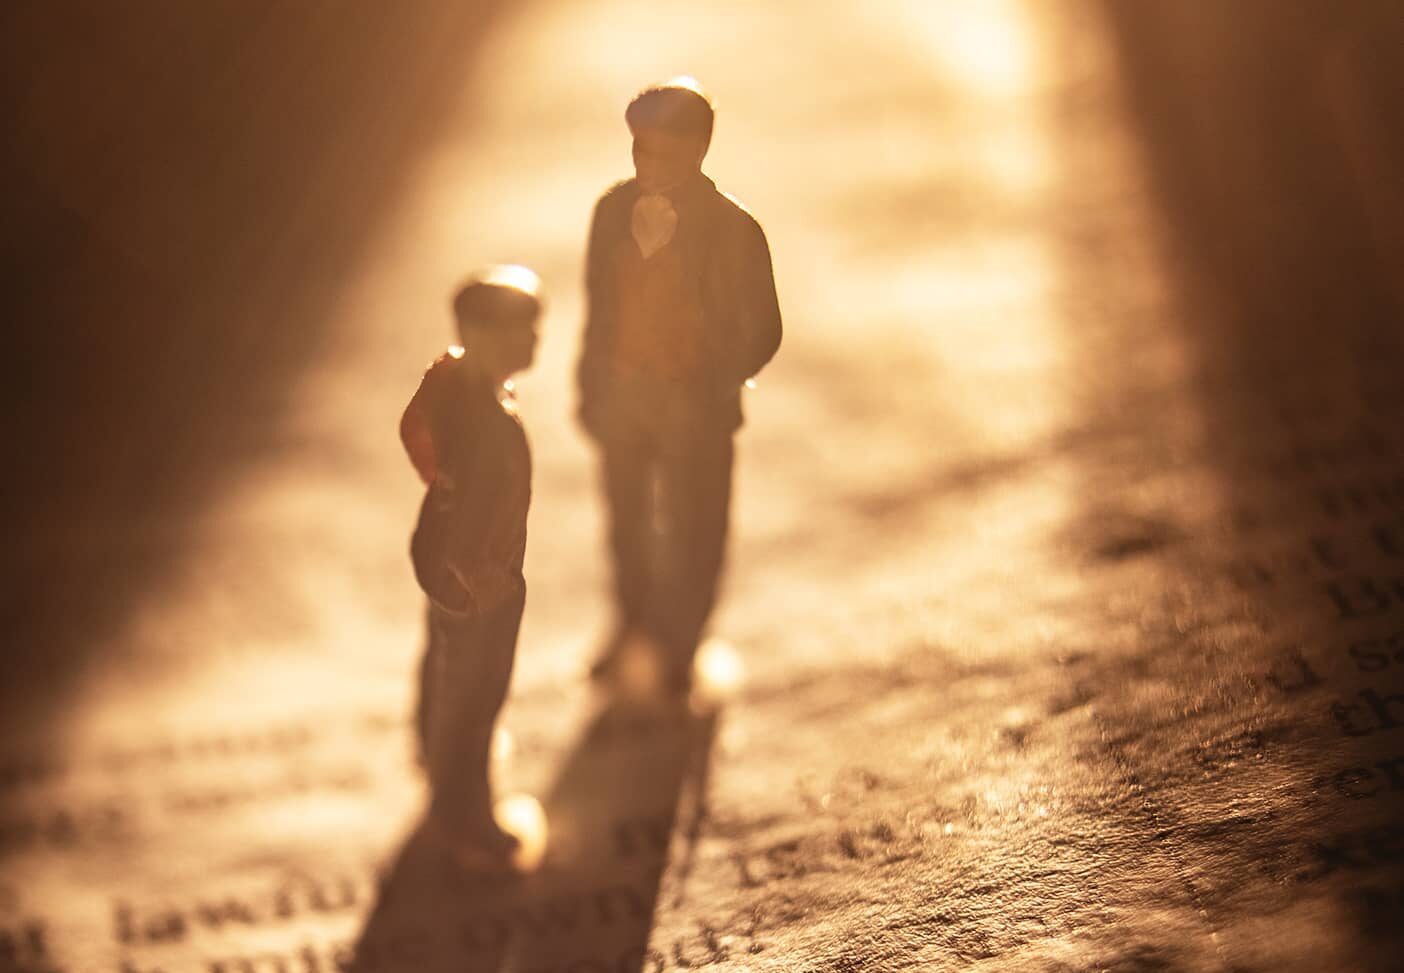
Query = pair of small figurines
x=681 y=313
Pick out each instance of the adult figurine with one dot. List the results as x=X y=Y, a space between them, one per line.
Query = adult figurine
x=681 y=314
x=462 y=434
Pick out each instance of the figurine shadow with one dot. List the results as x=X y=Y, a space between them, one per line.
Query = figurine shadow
x=636 y=778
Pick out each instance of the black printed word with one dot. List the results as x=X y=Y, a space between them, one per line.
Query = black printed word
x=1373 y=713
x=64 y=828
x=1354 y=851
x=25 y=947
x=1383 y=777
x=1365 y=597
x=134 y=926
x=1376 y=654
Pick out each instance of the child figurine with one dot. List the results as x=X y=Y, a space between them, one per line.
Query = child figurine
x=681 y=314
x=464 y=439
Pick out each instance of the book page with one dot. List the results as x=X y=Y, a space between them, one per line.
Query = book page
x=1063 y=622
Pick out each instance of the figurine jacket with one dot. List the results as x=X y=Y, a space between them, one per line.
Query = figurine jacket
x=712 y=291
x=464 y=439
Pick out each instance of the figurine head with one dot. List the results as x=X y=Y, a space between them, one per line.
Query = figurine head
x=672 y=127
x=496 y=312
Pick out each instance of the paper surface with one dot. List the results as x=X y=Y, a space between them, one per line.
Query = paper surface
x=1070 y=632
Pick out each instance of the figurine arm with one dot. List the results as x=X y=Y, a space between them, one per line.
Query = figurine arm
x=760 y=325
x=415 y=435
x=594 y=355
x=481 y=508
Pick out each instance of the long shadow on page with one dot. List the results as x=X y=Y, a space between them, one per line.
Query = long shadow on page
x=429 y=917
x=612 y=812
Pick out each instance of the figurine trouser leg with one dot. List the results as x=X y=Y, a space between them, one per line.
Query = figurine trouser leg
x=466 y=672
x=426 y=688
x=694 y=499
x=666 y=581
x=628 y=484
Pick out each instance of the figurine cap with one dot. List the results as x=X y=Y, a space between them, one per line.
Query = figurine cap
x=678 y=106
x=500 y=294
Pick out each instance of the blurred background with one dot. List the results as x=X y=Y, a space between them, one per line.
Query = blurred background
x=187 y=192
x=1057 y=279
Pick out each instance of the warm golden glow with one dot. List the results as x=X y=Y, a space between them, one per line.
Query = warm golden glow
x=689 y=82
x=522 y=816
x=504 y=745
x=1010 y=503
x=986 y=47
x=515 y=276
x=718 y=670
